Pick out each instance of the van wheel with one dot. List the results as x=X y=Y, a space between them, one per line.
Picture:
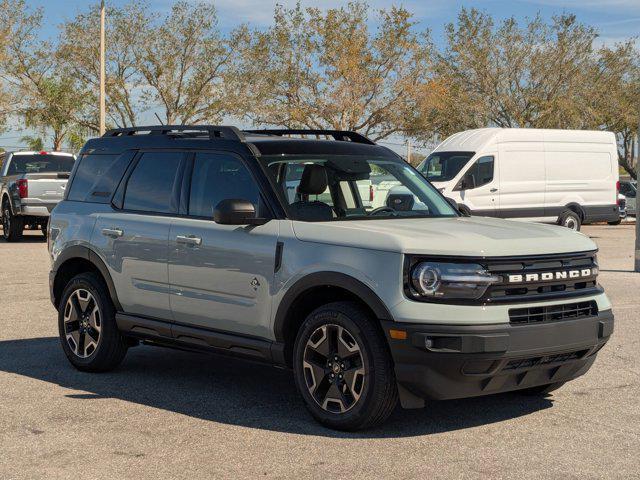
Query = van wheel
x=570 y=219
x=44 y=229
x=87 y=325
x=343 y=369
x=12 y=226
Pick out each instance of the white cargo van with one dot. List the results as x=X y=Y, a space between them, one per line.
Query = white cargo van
x=569 y=177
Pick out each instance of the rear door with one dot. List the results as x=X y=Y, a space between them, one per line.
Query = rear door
x=220 y=275
x=134 y=239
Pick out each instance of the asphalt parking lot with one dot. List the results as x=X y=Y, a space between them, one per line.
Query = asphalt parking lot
x=170 y=414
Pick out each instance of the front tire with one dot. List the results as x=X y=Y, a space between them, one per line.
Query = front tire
x=87 y=325
x=12 y=226
x=343 y=369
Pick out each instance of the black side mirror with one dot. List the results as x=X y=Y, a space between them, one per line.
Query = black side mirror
x=454 y=204
x=234 y=211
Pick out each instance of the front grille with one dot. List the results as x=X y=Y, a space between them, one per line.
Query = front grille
x=553 y=313
x=545 y=360
x=523 y=291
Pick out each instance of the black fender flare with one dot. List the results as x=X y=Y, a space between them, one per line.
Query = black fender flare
x=85 y=253
x=327 y=279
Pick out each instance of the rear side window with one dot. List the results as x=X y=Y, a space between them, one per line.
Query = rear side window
x=97 y=177
x=40 y=163
x=154 y=183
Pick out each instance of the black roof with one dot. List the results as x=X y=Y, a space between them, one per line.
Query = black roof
x=252 y=142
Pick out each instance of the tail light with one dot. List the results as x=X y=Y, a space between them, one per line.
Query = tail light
x=23 y=188
x=617 y=189
x=371 y=193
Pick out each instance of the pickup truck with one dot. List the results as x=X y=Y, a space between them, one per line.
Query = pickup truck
x=31 y=185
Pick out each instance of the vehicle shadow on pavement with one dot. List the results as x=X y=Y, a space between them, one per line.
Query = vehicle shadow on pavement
x=237 y=392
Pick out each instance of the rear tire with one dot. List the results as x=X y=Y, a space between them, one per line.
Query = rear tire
x=12 y=226
x=87 y=325
x=570 y=219
x=617 y=222
x=44 y=229
x=343 y=369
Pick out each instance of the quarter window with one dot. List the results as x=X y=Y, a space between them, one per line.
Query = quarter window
x=154 y=183
x=219 y=177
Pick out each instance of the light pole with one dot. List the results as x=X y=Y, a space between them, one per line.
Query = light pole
x=102 y=72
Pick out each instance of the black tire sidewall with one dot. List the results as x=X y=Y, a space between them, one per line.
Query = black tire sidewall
x=570 y=213
x=111 y=344
x=350 y=318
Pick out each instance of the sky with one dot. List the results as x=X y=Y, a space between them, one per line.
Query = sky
x=616 y=20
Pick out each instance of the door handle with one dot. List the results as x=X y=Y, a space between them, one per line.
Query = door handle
x=493 y=190
x=112 y=232
x=188 y=240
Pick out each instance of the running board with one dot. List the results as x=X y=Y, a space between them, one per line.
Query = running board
x=162 y=332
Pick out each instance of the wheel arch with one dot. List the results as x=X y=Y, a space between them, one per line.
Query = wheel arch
x=315 y=290
x=76 y=260
x=576 y=208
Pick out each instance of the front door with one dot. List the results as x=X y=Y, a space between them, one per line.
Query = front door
x=479 y=187
x=220 y=275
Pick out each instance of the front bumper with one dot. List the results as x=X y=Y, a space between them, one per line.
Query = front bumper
x=445 y=362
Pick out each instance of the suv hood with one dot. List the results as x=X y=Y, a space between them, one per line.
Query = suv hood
x=459 y=236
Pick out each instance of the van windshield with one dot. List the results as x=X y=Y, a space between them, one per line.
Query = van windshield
x=353 y=187
x=444 y=166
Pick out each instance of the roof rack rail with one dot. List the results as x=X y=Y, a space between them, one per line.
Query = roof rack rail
x=214 y=131
x=339 y=135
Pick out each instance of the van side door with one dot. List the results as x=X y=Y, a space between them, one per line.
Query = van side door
x=221 y=275
x=478 y=186
x=522 y=179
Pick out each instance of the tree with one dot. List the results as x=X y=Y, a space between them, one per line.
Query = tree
x=615 y=98
x=183 y=61
x=78 y=53
x=33 y=143
x=325 y=69
x=538 y=76
x=512 y=76
x=46 y=98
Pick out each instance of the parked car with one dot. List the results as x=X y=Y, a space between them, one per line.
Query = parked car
x=186 y=237
x=31 y=185
x=566 y=177
x=630 y=190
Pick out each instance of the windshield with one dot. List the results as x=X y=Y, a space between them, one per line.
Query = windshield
x=444 y=166
x=350 y=187
x=40 y=163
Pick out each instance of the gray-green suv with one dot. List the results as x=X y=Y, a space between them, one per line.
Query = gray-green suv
x=263 y=244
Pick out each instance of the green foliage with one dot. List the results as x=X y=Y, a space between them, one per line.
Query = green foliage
x=33 y=143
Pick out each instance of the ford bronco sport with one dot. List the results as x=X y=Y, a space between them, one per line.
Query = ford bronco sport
x=190 y=236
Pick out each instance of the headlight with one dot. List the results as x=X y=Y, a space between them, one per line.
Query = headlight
x=466 y=281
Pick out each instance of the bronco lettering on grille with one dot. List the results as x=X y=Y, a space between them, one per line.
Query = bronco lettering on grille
x=550 y=276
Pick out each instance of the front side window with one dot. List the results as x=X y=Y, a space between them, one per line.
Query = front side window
x=350 y=187
x=444 y=166
x=220 y=177
x=154 y=182
x=480 y=174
